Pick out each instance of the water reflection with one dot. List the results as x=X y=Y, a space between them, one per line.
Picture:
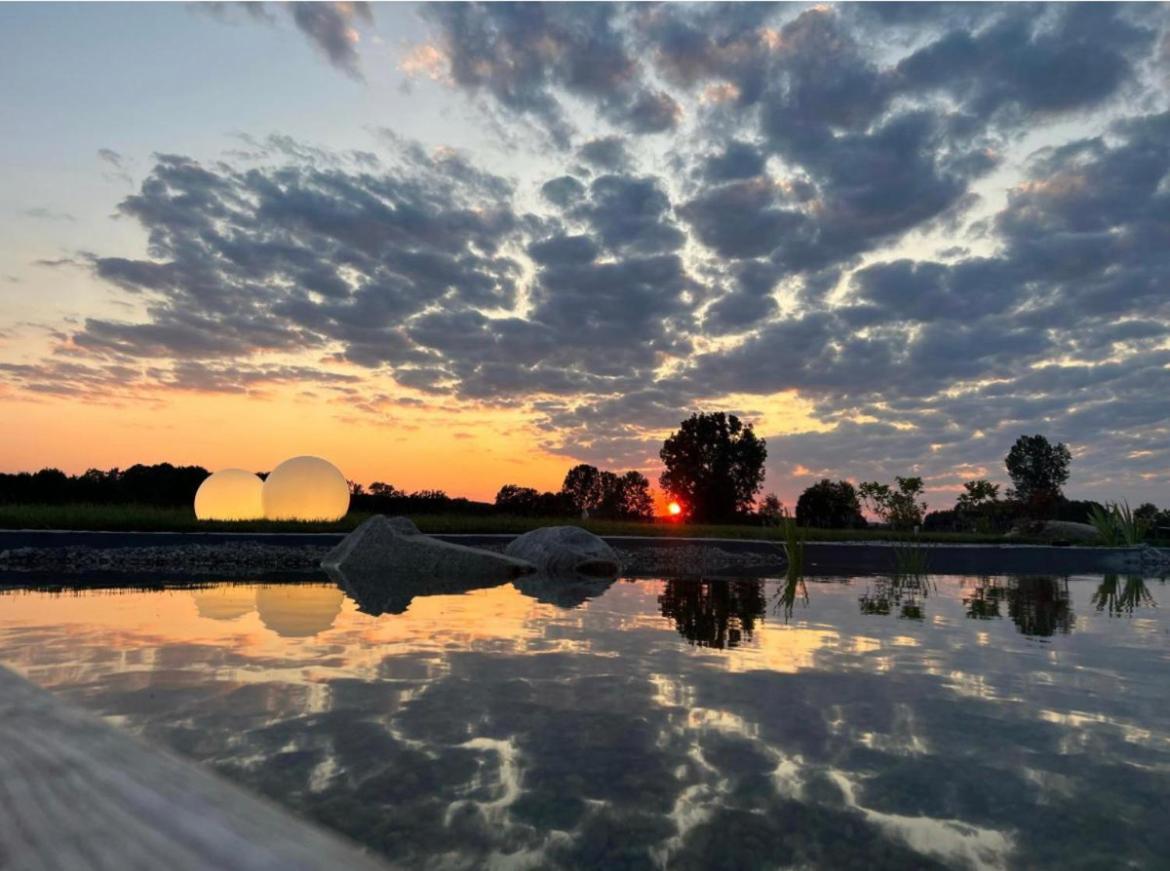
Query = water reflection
x=495 y=728
x=1039 y=605
x=1122 y=600
x=904 y=594
x=717 y=613
x=289 y=610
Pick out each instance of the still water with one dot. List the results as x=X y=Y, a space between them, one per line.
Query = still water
x=858 y=723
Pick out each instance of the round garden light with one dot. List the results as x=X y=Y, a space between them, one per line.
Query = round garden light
x=305 y=488
x=229 y=494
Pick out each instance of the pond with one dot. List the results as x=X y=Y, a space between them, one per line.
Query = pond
x=1007 y=722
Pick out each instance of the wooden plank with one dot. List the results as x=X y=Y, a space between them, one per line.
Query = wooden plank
x=76 y=793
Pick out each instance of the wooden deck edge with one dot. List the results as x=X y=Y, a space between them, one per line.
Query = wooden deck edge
x=77 y=793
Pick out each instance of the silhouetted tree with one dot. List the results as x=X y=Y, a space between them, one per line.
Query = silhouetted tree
x=380 y=488
x=770 y=510
x=631 y=497
x=900 y=507
x=530 y=502
x=606 y=494
x=583 y=487
x=161 y=484
x=977 y=509
x=714 y=466
x=1038 y=470
x=829 y=505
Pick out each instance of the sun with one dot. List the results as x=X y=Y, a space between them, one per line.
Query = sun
x=674 y=509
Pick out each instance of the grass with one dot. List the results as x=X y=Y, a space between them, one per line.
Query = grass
x=147 y=518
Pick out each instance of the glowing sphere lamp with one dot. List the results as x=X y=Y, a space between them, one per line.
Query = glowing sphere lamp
x=229 y=494
x=305 y=488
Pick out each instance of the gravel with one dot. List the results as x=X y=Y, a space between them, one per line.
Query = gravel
x=250 y=558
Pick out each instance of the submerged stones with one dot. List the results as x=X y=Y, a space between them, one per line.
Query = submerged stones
x=566 y=551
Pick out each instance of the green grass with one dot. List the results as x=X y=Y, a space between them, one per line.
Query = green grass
x=146 y=518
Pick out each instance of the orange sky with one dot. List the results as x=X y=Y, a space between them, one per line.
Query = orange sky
x=465 y=450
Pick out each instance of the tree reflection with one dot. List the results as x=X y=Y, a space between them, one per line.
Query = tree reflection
x=713 y=613
x=904 y=593
x=1118 y=600
x=982 y=602
x=1039 y=605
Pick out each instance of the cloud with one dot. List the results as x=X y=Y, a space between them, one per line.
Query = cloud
x=819 y=225
x=333 y=29
x=607 y=153
x=40 y=213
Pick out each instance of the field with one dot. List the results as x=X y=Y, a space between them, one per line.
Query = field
x=148 y=518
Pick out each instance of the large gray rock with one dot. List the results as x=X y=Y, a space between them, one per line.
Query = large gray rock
x=392 y=550
x=566 y=551
x=1057 y=531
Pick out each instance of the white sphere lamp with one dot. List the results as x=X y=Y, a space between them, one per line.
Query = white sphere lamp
x=229 y=494
x=305 y=488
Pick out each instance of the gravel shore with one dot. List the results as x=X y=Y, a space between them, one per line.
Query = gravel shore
x=246 y=559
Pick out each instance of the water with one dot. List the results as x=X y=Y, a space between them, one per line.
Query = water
x=868 y=723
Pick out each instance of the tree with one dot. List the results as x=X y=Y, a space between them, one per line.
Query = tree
x=583 y=488
x=900 y=507
x=714 y=466
x=771 y=510
x=1038 y=470
x=829 y=505
x=587 y=489
x=529 y=502
x=631 y=497
x=389 y=491
x=976 y=494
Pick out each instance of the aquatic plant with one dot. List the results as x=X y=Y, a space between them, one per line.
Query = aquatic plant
x=1117 y=524
x=910 y=559
x=793 y=545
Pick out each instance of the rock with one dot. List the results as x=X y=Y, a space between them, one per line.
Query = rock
x=1058 y=531
x=566 y=551
x=392 y=548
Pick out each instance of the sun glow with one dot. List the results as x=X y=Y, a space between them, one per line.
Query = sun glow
x=674 y=509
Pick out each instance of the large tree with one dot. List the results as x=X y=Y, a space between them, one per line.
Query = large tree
x=1038 y=470
x=714 y=466
x=830 y=505
x=583 y=487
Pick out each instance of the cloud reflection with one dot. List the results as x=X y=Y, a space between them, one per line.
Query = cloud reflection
x=489 y=727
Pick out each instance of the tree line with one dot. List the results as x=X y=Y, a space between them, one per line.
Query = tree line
x=713 y=467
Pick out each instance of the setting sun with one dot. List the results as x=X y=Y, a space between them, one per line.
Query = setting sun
x=674 y=509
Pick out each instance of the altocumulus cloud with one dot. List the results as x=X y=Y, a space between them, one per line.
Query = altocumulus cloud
x=826 y=224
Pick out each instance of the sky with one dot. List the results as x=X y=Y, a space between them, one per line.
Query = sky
x=458 y=246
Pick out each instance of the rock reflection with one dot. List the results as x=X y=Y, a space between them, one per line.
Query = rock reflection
x=1121 y=600
x=378 y=593
x=563 y=592
x=718 y=613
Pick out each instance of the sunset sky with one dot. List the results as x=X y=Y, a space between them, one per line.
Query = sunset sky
x=460 y=246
